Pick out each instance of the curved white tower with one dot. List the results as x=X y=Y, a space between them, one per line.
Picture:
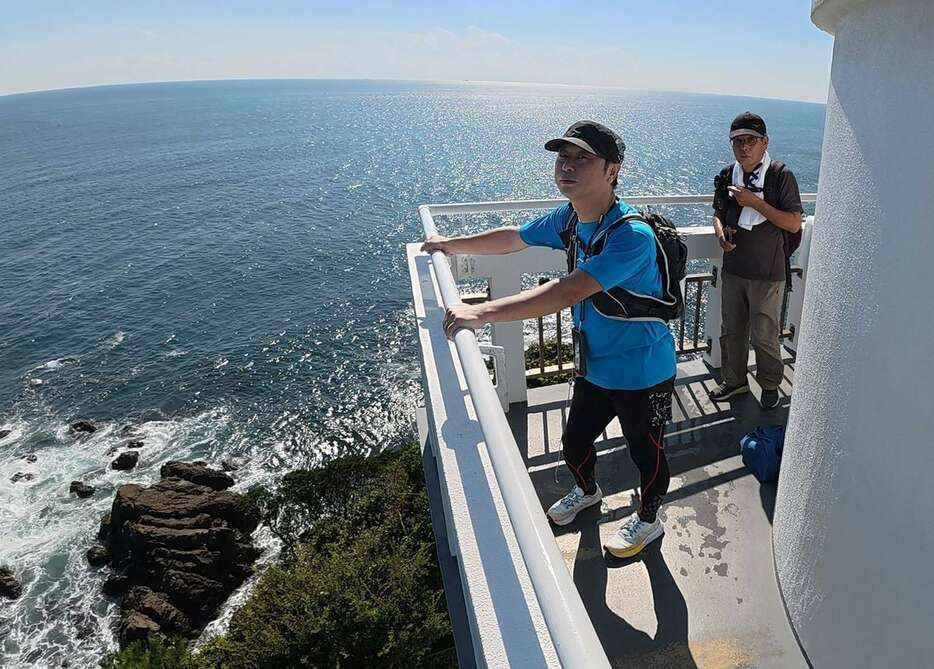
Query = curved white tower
x=854 y=520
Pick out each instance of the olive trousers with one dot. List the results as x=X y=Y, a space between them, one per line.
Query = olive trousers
x=751 y=311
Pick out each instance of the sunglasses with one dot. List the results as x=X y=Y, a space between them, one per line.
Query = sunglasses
x=746 y=140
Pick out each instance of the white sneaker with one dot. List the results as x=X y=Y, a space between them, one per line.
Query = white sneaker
x=633 y=536
x=565 y=510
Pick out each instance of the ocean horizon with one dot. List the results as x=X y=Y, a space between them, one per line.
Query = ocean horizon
x=221 y=265
x=414 y=82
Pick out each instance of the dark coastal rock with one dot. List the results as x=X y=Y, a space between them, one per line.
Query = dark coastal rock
x=231 y=464
x=156 y=606
x=116 y=585
x=136 y=626
x=84 y=426
x=128 y=430
x=22 y=476
x=130 y=443
x=126 y=460
x=32 y=457
x=98 y=555
x=177 y=550
x=5 y=433
x=197 y=472
x=104 y=531
x=81 y=489
x=9 y=586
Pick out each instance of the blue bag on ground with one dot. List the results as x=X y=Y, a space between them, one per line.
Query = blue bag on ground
x=762 y=451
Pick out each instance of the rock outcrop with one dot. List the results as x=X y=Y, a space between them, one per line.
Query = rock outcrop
x=177 y=549
x=197 y=472
x=9 y=586
x=81 y=489
x=97 y=555
x=126 y=460
x=84 y=426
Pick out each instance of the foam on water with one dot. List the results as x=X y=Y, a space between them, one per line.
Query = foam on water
x=47 y=531
x=115 y=340
x=58 y=363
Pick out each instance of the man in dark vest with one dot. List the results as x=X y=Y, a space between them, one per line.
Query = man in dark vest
x=627 y=366
x=757 y=214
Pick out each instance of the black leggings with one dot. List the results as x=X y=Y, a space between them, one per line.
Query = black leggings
x=642 y=415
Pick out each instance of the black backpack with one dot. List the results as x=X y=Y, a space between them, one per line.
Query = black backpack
x=671 y=255
x=792 y=240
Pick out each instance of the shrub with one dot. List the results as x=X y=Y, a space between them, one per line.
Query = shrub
x=362 y=586
x=157 y=655
x=358 y=584
x=533 y=360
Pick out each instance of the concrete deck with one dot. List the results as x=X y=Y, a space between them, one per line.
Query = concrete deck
x=704 y=595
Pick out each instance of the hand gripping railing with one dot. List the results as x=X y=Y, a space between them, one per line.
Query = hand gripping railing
x=569 y=625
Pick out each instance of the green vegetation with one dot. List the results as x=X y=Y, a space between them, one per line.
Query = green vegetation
x=533 y=361
x=157 y=655
x=357 y=585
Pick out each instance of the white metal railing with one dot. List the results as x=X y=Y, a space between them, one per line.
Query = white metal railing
x=572 y=634
x=569 y=626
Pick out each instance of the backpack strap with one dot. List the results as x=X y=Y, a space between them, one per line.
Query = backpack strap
x=597 y=245
x=791 y=240
x=570 y=229
x=570 y=240
x=771 y=180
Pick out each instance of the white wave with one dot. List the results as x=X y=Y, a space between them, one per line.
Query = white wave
x=15 y=432
x=57 y=363
x=270 y=546
x=115 y=339
x=46 y=531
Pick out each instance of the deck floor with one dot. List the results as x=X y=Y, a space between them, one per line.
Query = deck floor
x=705 y=594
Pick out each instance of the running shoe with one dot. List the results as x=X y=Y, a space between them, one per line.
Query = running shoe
x=633 y=536
x=565 y=510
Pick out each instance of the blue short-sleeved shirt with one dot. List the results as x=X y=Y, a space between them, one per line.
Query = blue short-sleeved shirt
x=621 y=355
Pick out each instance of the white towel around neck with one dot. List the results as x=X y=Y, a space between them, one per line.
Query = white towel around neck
x=749 y=217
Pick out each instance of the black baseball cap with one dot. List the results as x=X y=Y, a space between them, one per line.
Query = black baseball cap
x=748 y=123
x=594 y=137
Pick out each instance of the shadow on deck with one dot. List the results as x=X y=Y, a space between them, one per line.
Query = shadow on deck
x=704 y=595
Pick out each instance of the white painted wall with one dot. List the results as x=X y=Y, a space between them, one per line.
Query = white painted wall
x=853 y=534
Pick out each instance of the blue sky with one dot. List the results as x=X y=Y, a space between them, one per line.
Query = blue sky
x=757 y=49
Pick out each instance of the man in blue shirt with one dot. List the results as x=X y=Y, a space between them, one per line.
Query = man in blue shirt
x=629 y=366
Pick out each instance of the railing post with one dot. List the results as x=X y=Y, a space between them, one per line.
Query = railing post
x=796 y=298
x=505 y=282
x=712 y=317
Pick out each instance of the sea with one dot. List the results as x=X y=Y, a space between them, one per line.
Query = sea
x=220 y=266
